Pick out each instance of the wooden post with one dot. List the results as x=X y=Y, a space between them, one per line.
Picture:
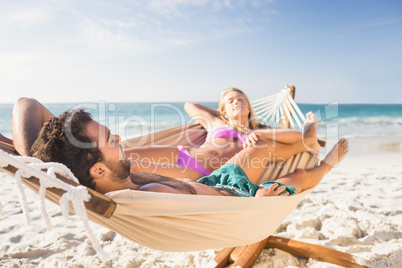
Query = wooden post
x=292 y=91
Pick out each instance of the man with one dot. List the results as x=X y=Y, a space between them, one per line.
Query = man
x=95 y=157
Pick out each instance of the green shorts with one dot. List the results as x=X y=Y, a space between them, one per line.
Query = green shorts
x=232 y=177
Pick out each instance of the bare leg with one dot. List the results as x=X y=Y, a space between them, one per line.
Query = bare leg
x=310 y=134
x=28 y=117
x=309 y=178
x=253 y=160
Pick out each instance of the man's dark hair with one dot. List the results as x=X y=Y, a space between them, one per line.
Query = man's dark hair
x=59 y=140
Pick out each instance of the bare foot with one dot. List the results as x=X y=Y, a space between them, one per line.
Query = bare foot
x=337 y=153
x=310 y=134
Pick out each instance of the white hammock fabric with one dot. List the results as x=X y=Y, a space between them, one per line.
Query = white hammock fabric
x=174 y=222
x=170 y=222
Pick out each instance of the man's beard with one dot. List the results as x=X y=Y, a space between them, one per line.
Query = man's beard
x=120 y=169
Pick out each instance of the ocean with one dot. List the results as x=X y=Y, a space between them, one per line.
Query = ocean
x=133 y=119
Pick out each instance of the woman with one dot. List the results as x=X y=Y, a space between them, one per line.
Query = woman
x=230 y=129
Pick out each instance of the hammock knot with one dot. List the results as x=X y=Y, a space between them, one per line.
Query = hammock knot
x=65 y=171
x=76 y=195
x=83 y=193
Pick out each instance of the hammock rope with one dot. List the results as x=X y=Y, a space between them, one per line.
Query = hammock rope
x=29 y=166
x=274 y=109
x=23 y=198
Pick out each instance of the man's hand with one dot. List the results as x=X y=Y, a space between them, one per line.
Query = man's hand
x=272 y=190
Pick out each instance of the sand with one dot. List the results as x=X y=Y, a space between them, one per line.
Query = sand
x=357 y=209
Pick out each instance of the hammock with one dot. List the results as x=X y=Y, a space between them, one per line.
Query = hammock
x=163 y=221
x=192 y=222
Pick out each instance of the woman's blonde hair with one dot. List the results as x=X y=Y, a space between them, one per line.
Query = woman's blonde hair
x=252 y=122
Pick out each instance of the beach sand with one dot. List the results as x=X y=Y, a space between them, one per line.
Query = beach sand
x=357 y=209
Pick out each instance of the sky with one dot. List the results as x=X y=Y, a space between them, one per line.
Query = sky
x=191 y=50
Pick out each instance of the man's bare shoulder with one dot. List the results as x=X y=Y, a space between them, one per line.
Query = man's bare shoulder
x=157 y=187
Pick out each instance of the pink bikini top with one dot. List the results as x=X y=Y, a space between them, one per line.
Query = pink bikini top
x=225 y=132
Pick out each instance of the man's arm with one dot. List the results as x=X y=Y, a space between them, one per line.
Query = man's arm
x=29 y=115
x=164 y=169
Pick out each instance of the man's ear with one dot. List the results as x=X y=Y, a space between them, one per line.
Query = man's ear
x=99 y=171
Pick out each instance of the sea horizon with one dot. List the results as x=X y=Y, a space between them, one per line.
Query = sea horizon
x=131 y=119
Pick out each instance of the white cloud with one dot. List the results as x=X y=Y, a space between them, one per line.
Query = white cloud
x=138 y=27
x=156 y=25
x=172 y=6
x=7 y=60
x=126 y=37
x=19 y=67
x=198 y=10
x=29 y=17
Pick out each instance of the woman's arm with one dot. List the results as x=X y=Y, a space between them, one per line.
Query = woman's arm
x=205 y=116
x=285 y=136
x=29 y=115
x=281 y=135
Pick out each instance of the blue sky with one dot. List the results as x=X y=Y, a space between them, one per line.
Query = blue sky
x=189 y=50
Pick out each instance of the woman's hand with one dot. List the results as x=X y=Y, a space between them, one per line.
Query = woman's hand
x=251 y=140
x=272 y=190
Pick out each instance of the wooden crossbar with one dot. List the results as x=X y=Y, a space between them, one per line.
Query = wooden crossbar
x=246 y=256
x=319 y=253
